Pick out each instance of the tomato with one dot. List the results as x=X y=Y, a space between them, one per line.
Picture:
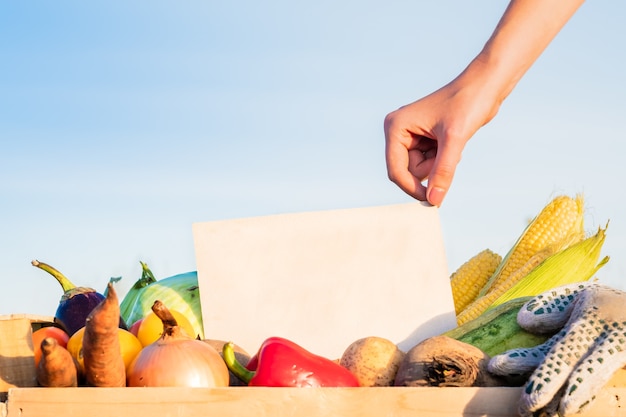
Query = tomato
x=51 y=331
x=135 y=327
x=129 y=345
x=151 y=327
x=75 y=346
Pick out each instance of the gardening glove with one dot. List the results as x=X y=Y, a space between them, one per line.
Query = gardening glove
x=568 y=370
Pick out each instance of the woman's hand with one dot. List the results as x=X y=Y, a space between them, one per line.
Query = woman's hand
x=425 y=139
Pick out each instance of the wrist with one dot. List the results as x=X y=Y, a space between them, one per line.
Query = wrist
x=496 y=78
x=482 y=87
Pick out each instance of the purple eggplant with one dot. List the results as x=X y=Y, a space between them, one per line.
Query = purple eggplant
x=76 y=302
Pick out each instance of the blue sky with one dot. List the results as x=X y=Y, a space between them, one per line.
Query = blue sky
x=123 y=123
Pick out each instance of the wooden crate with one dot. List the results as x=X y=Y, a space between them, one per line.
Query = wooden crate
x=21 y=397
x=278 y=402
x=17 y=360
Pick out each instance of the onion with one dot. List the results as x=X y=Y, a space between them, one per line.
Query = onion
x=176 y=359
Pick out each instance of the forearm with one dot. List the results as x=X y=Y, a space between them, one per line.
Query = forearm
x=523 y=33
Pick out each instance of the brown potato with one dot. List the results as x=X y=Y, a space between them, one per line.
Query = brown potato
x=373 y=360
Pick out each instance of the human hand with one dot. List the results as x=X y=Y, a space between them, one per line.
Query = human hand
x=425 y=139
x=573 y=365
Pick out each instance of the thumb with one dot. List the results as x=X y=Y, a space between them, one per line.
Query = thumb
x=442 y=173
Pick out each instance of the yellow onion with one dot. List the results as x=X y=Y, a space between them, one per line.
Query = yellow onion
x=176 y=359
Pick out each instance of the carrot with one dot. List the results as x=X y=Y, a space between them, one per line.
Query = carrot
x=102 y=355
x=57 y=367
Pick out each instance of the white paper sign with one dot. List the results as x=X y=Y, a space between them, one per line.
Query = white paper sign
x=325 y=279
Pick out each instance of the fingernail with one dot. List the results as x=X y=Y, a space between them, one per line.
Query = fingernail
x=436 y=195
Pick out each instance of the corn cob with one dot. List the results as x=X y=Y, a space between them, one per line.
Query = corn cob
x=576 y=263
x=559 y=223
x=482 y=303
x=467 y=281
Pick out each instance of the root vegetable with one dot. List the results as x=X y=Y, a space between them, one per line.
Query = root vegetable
x=49 y=331
x=373 y=360
x=102 y=356
x=56 y=367
x=445 y=362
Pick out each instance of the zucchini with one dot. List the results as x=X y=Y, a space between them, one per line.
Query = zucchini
x=496 y=330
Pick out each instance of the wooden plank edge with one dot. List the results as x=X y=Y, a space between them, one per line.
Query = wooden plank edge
x=31 y=317
x=277 y=402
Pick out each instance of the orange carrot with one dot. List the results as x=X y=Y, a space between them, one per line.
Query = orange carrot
x=57 y=367
x=103 y=362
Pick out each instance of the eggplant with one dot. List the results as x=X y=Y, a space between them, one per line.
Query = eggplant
x=76 y=302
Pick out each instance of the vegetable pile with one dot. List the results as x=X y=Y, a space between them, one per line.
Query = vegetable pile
x=154 y=335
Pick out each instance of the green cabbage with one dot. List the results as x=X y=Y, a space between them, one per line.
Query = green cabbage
x=179 y=292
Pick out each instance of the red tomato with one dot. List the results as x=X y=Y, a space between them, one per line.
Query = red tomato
x=134 y=329
x=50 y=331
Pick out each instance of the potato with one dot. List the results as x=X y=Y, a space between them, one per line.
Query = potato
x=373 y=360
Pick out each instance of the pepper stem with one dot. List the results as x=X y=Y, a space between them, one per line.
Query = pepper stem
x=62 y=279
x=240 y=371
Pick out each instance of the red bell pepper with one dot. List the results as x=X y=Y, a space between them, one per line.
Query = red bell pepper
x=282 y=363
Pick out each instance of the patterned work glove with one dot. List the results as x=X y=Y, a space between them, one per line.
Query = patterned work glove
x=574 y=364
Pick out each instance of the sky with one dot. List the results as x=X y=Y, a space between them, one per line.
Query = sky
x=123 y=123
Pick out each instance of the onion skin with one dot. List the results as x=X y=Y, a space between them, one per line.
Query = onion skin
x=177 y=360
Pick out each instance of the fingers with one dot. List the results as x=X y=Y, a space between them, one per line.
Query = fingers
x=419 y=149
x=404 y=159
x=443 y=169
x=586 y=352
x=550 y=311
x=520 y=361
x=410 y=167
x=595 y=371
x=398 y=171
x=575 y=341
x=515 y=362
x=421 y=163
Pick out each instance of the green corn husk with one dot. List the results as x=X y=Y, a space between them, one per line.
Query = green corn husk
x=179 y=292
x=576 y=263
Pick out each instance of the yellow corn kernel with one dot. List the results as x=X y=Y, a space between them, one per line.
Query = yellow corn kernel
x=576 y=263
x=559 y=223
x=482 y=303
x=467 y=281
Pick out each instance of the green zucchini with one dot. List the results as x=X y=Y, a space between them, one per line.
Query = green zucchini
x=496 y=330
